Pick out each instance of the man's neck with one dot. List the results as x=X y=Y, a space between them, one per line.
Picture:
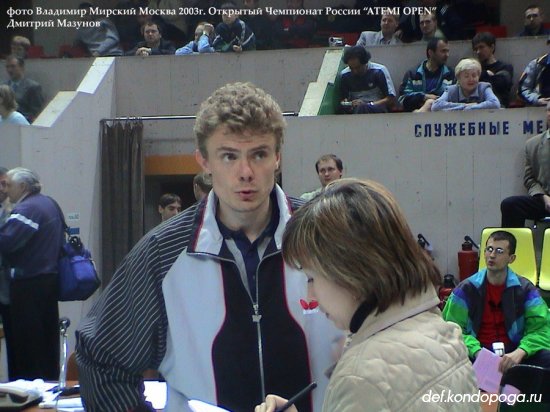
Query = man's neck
x=497 y=278
x=251 y=223
x=154 y=45
x=490 y=60
x=431 y=66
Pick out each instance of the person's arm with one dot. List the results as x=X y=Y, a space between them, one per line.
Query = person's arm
x=165 y=47
x=527 y=84
x=536 y=334
x=249 y=42
x=533 y=186
x=456 y=311
x=204 y=45
x=124 y=334
x=502 y=80
x=188 y=48
x=20 y=226
x=443 y=104
x=490 y=101
x=111 y=37
x=362 y=41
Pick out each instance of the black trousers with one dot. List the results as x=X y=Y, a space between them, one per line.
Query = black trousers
x=515 y=209
x=31 y=327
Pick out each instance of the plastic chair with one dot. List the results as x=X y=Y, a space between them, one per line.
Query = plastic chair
x=531 y=381
x=544 y=275
x=35 y=52
x=525 y=263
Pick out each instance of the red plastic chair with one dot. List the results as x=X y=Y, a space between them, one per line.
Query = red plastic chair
x=497 y=31
x=35 y=52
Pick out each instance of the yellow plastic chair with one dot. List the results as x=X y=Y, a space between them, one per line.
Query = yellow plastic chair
x=544 y=276
x=525 y=263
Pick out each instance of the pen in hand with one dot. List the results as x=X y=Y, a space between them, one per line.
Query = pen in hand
x=304 y=392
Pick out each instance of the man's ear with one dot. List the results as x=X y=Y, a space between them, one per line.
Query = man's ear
x=160 y=208
x=512 y=258
x=202 y=161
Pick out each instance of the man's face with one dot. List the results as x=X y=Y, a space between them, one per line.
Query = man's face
x=170 y=210
x=388 y=24
x=356 y=67
x=243 y=168
x=497 y=255
x=328 y=171
x=229 y=16
x=15 y=71
x=17 y=50
x=428 y=24
x=441 y=54
x=483 y=51
x=15 y=190
x=151 y=34
x=533 y=19
x=3 y=188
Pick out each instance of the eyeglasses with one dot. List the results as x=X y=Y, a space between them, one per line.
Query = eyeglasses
x=499 y=251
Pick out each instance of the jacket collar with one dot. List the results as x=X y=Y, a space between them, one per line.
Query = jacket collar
x=208 y=238
x=479 y=278
x=413 y=305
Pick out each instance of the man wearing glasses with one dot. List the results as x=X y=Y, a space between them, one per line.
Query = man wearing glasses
x=497 y=308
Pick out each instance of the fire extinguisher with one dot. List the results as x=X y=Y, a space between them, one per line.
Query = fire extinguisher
x=468 y=259
x=445 y=290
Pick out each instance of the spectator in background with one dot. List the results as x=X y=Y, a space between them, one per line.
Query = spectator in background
x=536 y=179
x=101 y=40
x=202 y=184
x=8 y=107
x=204 y=35
x=19 y=46
x=174 y=26
x=428 y=27
x=493 y=71
x=232 y=34
x=469 y=93
x=169 y=205
x=534 y=82
x=296 y=31
x=424 y=84
x=363 y=90
x=153 y=43
x=30 y=242
x=386 y=35
x=260 y=24
x=534 y=22
x=329 y=168
x=28 y=92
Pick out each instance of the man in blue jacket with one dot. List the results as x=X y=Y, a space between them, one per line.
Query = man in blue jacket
x=30 y=242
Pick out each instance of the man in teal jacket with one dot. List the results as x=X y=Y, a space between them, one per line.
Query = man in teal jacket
x=497 y=305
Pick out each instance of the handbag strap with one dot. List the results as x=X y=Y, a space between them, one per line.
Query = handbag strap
x=61 y=215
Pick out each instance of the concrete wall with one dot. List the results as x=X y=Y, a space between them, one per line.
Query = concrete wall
x=449 y=187
x=63 y=148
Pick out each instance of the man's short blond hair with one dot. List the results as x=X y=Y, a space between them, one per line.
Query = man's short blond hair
x=240 y=107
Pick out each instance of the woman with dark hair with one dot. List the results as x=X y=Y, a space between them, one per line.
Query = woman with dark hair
x=368 y=274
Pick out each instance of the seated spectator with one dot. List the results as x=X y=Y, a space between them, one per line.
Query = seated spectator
x=153 y=43
x=428 y=27
x=377 y=66
x=169 y=205
x=28 y=93
x=202 y=185
x=260 y=24
x=295 y=31
x=19 y=46
x=498 y=305
x=424 y=84
x=493 y=71
x=469 y=93
x=329 y=168
x=386 y=35
x=202 y=43
x=367 y=273
x=232 y=34
x=8 y=107
x=535 y=204
x=363 y=90
x=99 y=41
x=534 y=82
x=534 y=22
x=174 y=26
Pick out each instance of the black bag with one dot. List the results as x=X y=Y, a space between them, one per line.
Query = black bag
x=78 y=278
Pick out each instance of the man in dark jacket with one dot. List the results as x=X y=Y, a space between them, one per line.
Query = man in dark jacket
x=154 y=44
x=30 y=242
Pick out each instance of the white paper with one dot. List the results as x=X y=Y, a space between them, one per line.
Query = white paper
x=155 y=392
x=199 y=406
